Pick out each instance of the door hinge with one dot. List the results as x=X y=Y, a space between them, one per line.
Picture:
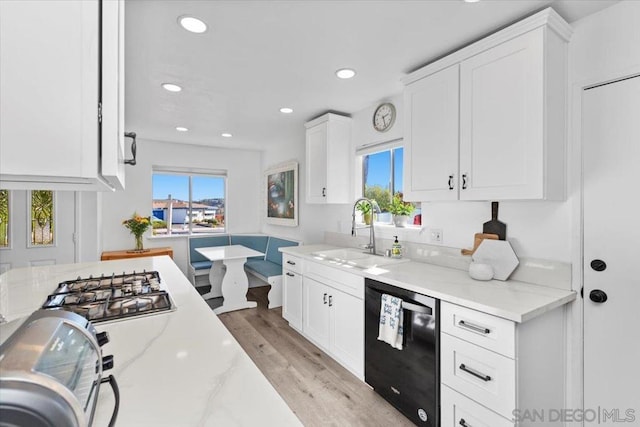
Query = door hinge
x=100 y=112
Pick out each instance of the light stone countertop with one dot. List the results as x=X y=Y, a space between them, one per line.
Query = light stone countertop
x=512 y=300
x=180 y=368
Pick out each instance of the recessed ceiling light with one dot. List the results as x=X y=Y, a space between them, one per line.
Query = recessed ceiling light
x=471 y=1
x=227 y=135
x=192 y=24
x=181 y=129
x=286 y=110
x=171 y=87
x=345 y=73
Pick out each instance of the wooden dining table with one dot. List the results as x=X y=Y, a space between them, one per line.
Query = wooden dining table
x=235 y=282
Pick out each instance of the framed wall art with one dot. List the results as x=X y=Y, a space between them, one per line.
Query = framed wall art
x=282 y=194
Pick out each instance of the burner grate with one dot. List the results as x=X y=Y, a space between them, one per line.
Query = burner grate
x=111 y=297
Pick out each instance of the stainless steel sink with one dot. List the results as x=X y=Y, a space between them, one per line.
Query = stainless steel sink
x=354 y=258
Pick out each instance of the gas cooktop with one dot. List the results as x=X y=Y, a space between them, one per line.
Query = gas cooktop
x=114 y=297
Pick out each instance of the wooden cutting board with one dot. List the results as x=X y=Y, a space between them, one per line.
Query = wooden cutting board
x=494 y=226
x=477 y=239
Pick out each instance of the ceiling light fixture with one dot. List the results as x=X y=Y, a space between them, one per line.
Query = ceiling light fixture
x=192 y=24
x=171 y=87
x=181 y=129
x=345 y=73
x=227 y=135
x=471 y=1
x=286 y=110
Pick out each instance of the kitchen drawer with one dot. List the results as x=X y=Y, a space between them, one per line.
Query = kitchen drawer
x=485 y=330
x=293 y=263
x=494 y=382
x=347 y=282
x=457 y=410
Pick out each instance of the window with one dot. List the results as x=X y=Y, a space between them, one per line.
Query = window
x=4 y=218
x=188 y=203
x=382 y=174
x=42 y=218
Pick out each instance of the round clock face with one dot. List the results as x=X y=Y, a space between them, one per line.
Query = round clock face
x=384 y=117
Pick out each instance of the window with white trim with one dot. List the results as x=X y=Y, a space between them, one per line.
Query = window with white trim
x=4 y=219
x=42 y=227
x=188 y=203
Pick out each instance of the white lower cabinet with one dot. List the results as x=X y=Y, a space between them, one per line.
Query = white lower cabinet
x=334 y=320
x=457 y=410
x=292 y=291
x=492 y=369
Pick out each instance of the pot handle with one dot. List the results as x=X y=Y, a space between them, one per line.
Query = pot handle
x=116 y=394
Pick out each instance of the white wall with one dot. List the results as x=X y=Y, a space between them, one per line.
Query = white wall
x=244 y=172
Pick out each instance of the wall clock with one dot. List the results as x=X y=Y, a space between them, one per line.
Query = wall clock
x=384 y=117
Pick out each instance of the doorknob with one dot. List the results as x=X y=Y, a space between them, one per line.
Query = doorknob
x=598 y=296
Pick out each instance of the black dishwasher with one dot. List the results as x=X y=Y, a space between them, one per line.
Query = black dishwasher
x=409 y=379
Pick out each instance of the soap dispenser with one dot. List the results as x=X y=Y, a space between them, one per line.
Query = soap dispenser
x=396 y=249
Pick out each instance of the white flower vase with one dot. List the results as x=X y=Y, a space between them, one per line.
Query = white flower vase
x=400 y=220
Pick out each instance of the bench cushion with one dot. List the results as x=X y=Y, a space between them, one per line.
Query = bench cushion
x=203 y=242
x=264 y=268
x=201 y=265
x=257 y=243
x=273 y=254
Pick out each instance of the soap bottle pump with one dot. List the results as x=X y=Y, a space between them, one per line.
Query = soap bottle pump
x=396 y=249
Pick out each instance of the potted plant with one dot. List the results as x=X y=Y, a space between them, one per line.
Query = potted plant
x=400 y=210
x=365 y=208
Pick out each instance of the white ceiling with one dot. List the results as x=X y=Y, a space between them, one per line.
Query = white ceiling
x=258 y=56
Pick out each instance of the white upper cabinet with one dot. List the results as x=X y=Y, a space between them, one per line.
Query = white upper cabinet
x=431 y=137
x=488 y=122
x=327 y=159
x=51 y=89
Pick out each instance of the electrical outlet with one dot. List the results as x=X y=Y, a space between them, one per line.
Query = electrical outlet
x=435 y=235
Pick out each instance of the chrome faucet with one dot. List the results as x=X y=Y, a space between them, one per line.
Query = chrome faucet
x=372 y=235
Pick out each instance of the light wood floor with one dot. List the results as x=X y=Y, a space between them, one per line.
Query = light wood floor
x=316 y=388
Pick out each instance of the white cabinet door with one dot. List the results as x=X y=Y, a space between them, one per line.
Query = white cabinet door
x=347 y=330
x=317 y=164
x=292 y=299
x=112 y=126
x=502 y=121
x=49 y=85
x=431 y=137
x=328 y=159
x=316 y=311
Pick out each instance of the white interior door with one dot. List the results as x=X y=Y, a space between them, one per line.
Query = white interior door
x=611 y=204
x=21 y=252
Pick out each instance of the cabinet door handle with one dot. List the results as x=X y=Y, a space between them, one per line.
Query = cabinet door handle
x=291 y=262
x=475 y=373
x=132 y=161
x=474 y=328
x=463 y=423
x=324 y=298
x=464 y=181
x=290 y=275
x=324 y=192
x=330 y=300
x=450 y=182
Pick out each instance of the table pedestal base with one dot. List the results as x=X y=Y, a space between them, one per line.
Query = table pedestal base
x=234 y=287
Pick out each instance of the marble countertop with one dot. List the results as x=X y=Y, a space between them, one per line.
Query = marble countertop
x=512 y=300
x=180 y=368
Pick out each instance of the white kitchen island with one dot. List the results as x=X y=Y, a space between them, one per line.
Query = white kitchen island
x=180 y=368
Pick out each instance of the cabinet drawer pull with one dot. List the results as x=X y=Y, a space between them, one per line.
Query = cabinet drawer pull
x=463 y=423
x=475 y=373
x=464 y=181
x=474 y=328
x=324 y=298
x=290 y=274
x=291 y=262
x=324 y=192
x=450 y=182
x=330 y=300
